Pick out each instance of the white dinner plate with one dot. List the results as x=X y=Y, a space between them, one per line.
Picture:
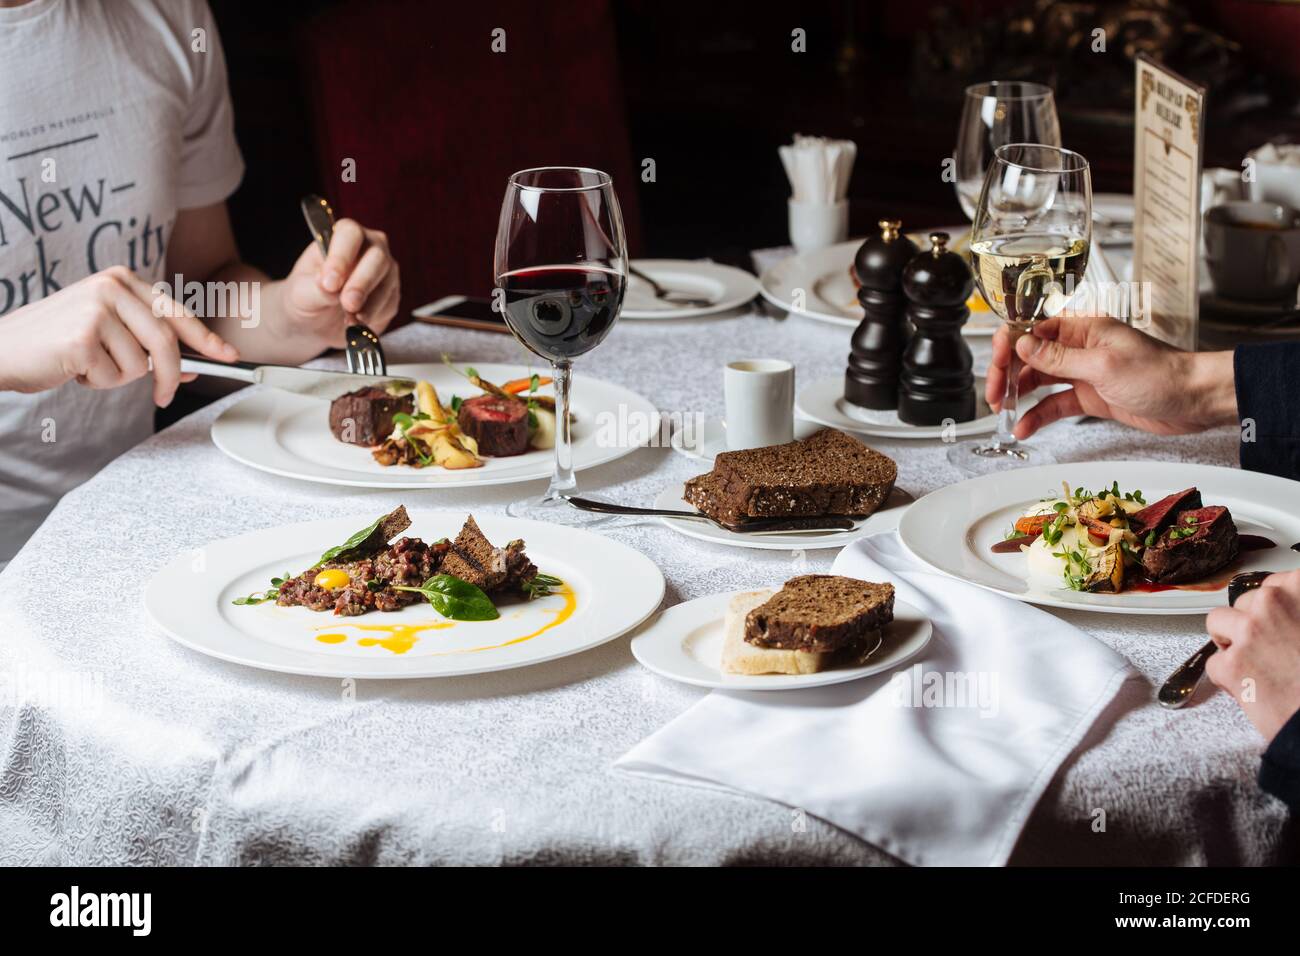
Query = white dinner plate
x=885 y=519
x=821 y=279
x=953 y=528
x=613 y=589
x=684 y=643
x=725 y=287
x=823 y=402
x=289 y=435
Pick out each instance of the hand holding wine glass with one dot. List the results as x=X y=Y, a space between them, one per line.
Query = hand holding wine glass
x=561 y=269
x=1029 y=245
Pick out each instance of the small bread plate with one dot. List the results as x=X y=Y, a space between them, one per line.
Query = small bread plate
x=821 y=281
x=684 y=643
x=823 y=402
x=955 y=529
x=724 y=287
x=607 y=590
x=886 y=518
x=705 y=439
x=289 y=435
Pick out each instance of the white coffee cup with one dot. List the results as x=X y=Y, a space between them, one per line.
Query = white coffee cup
x=759 y=395
x=815 y=225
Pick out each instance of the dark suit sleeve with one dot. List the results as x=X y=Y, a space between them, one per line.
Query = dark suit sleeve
x=1279 y=771
x=1268 y=393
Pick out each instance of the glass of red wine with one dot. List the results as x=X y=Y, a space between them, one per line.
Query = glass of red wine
x=561 y=268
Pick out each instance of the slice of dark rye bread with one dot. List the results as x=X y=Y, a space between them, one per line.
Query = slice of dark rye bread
x=820 y=613
x=828 y=473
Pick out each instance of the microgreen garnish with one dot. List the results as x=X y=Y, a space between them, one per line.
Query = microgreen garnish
x=540 y=585
x=270 y=594
x=405 y=422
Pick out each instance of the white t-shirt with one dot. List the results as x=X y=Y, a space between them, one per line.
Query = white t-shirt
x=113 y=116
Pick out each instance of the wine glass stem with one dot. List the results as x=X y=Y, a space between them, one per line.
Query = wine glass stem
x=562 y=481
x=1005 y=436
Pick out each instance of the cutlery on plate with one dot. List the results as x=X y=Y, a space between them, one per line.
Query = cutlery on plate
x=758 y=526
x=668 y=295
x=312 y=382
x=1182 y=683
x=365 y=354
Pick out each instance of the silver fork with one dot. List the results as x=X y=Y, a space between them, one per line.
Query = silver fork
x=756 y=526
x=365 y=353
x=1182 y=683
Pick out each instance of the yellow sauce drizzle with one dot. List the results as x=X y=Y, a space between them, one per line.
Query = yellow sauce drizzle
x=402 y=637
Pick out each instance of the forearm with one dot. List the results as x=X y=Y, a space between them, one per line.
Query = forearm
x=270 y=335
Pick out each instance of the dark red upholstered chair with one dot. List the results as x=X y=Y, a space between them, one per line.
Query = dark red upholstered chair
x=436 y=121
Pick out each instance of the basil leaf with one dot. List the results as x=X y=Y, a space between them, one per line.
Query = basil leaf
x=455 y=599
x=359 y=540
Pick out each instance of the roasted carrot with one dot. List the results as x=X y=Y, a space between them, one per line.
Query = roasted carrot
x=1033 y=524
x=517 y=385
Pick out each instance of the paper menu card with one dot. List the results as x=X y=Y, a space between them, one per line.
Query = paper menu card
x=1169 y=120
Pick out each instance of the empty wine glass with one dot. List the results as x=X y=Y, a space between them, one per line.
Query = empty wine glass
x=995 y=114
x=561 y=269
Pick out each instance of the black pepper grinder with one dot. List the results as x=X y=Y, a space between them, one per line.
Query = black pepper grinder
x=937 y=383
x=876 y=350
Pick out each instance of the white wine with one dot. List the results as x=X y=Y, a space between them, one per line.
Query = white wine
x=1026 y=277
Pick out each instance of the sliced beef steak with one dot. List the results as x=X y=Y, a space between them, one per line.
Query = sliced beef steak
x=365 y=417
x=499 y=425
x=1158 y=516
x=1198 y=543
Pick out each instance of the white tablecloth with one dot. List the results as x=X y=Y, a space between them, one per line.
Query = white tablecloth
x=145 y=752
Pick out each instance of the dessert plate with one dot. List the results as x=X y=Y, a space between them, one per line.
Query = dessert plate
x=684 y=643
x=289 y=435
x=953 y=528
x=609 y=589
x=821 y=280
x=885 y=519
x=725 y=287
x=823 y=402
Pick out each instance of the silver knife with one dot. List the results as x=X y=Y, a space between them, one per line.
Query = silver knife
x=311 y=382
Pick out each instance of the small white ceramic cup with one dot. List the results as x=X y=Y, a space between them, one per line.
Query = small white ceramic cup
x=759 y=395
x=815 y=225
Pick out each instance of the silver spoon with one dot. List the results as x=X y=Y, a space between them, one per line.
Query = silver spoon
x=667 y=295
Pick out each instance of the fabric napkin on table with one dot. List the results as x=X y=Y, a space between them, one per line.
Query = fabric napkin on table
x=924 y=777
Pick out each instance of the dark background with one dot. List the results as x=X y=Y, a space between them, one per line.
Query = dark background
x=436 y=121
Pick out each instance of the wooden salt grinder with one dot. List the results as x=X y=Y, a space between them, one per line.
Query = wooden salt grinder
x=876 y=349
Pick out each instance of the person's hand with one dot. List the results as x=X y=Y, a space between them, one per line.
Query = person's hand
x=1258 y=661
x=359 y=277
x=1117 y=372
x=103 y=331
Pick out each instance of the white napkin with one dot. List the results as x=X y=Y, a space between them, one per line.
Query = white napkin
x=945 y=785
x=818 y=168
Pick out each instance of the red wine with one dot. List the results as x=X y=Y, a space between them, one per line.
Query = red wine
x=559 y=312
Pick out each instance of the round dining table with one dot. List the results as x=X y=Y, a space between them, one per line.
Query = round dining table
x=120 y=746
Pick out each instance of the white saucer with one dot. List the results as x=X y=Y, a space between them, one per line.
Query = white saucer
x=708 y=443
x=725 y=287
x=684 y=643
x=823 y=402
x=886 y=519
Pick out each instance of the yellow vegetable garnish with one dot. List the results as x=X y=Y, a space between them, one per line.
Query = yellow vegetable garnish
x=332 y=579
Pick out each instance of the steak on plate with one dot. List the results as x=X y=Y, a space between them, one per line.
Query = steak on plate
x=499 y=425
x=365 y=416
x=1159 y=515
x=1200 y=542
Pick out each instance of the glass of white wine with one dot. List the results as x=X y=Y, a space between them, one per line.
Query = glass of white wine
x=1029 y=248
